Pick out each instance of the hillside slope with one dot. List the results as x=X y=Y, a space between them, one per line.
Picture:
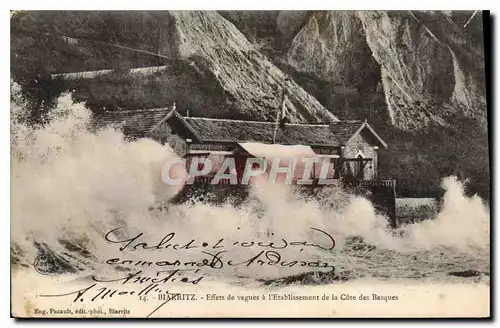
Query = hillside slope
x=211 y=69
x=418 y=77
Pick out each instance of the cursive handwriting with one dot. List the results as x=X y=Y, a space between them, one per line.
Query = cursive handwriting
x=183 y=268
x=221 y=253
x=167 y=242
x=101 y=288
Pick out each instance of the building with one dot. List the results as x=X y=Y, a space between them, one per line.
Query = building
x=351 y=147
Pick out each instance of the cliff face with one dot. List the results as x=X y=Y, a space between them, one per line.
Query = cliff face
x=427 y=66
x=410 y=69
x=417 y=71
x=418 y=77
x=428 y=63
x=251 y=82
x=333 y=46
x=427 y=78
x=206 y=56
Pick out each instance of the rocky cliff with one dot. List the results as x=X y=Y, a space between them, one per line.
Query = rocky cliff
x=417 y=76
x=428 y=71
x=211 y=68
x=430 y=64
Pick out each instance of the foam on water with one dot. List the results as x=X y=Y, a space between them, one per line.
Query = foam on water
x=70 y=184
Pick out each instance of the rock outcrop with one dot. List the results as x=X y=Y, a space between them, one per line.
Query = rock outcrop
x=206 y=55
x=250 y=81
x=333 y=45
x=429 y=64
x=426 y=75
x=418 y=77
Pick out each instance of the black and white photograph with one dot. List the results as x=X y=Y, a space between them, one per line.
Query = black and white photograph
x=250 y=164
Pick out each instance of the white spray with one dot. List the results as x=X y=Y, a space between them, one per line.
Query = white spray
x=72 y=184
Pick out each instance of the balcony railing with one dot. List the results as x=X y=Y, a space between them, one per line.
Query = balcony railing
x=207 y=179
x=370 y=183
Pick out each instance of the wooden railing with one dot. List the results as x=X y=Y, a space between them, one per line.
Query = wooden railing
x=207 y=179
x=378 y=183
x=370 y=183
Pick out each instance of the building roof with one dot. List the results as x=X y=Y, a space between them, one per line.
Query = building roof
x=140 y=123
x=345 y=130
x=241 y=131
x=134 y=123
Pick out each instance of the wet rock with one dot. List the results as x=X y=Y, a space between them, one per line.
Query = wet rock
x=309 y=278
x=465 y=274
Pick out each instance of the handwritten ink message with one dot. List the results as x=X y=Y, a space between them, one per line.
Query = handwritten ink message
x=187 y=261
x=218 y=252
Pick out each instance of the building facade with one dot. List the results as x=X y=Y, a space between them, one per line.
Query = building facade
x=351 y=147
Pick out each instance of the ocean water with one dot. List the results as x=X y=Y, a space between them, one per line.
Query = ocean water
x=79 y=196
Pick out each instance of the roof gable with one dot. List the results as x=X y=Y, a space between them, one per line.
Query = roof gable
x=134 y=123
x=367 y=127
x=345 y=130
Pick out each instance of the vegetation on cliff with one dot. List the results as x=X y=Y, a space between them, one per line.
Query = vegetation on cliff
x=418 y=77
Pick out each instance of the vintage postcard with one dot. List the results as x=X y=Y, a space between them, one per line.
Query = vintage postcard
x=249 y=164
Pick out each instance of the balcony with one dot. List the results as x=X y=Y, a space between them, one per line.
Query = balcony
x=369 y=183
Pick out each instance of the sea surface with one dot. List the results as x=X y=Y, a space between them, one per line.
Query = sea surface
x=79 y=196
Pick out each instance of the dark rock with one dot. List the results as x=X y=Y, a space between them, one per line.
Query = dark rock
x=465 y=274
